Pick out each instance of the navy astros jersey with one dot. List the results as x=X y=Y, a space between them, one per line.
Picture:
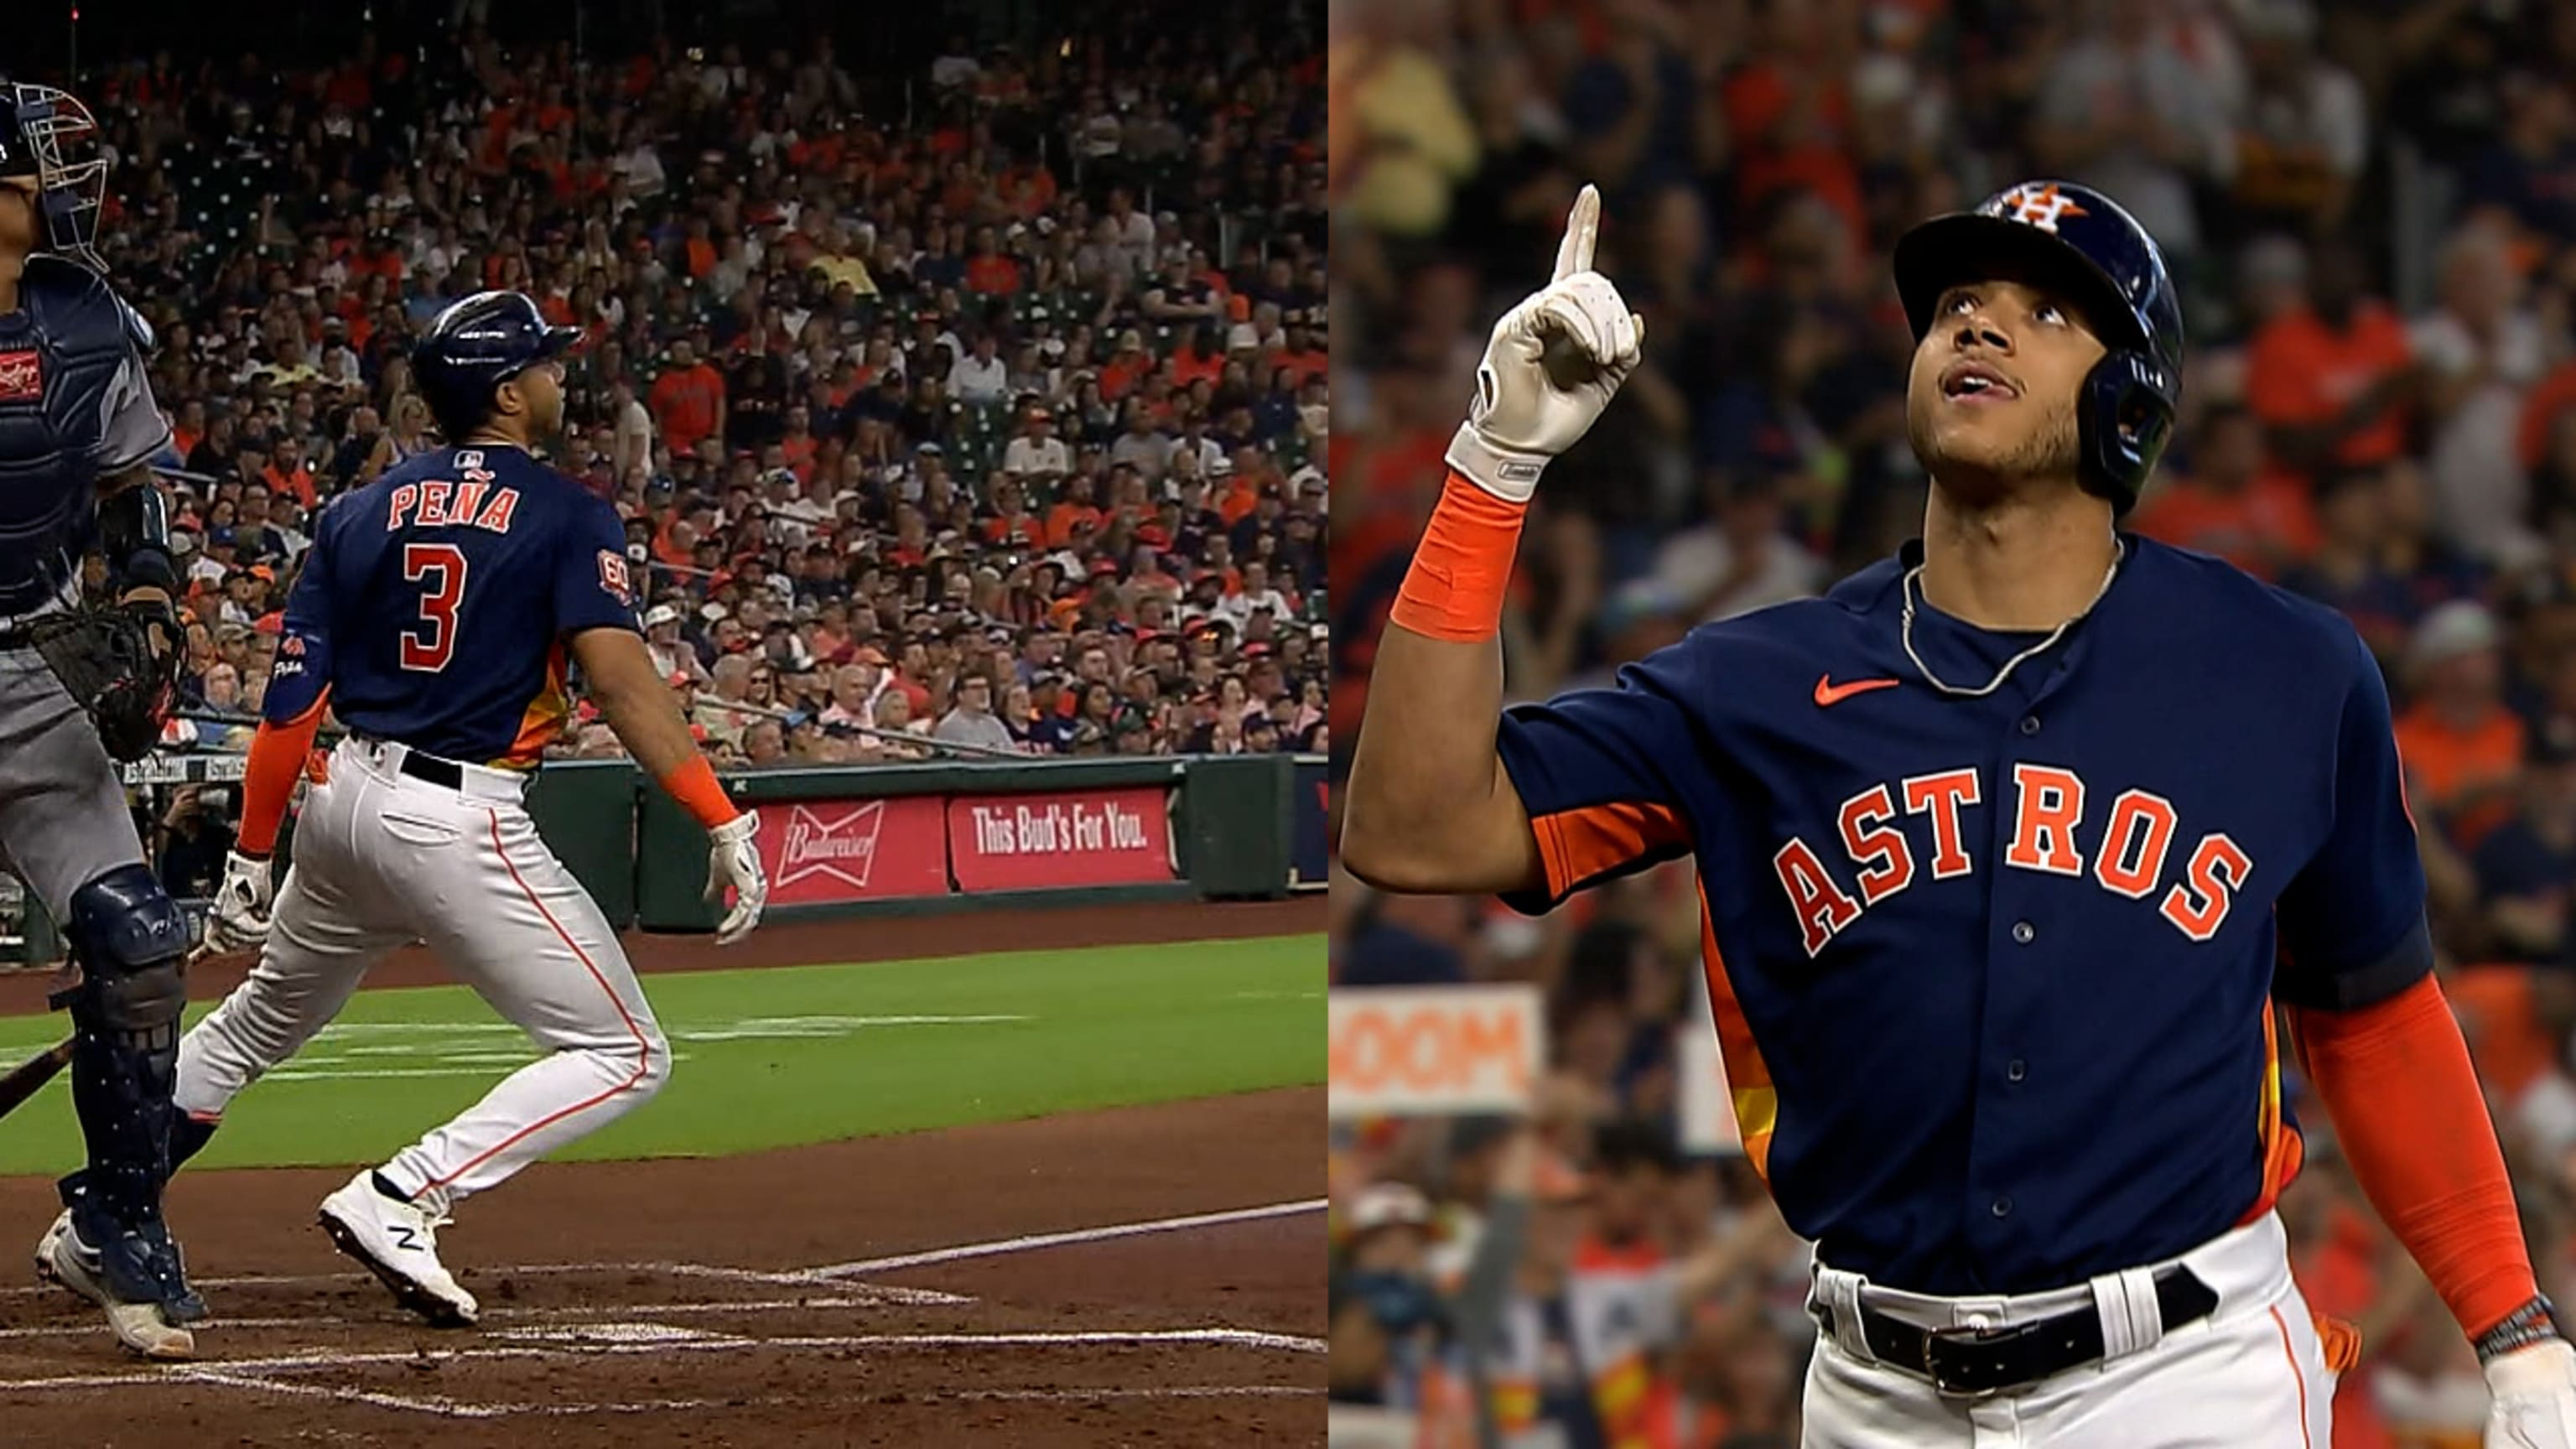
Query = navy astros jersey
x=1992 y=975
x=436 y=601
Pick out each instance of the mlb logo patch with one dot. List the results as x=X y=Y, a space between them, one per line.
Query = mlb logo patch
x=22 y=375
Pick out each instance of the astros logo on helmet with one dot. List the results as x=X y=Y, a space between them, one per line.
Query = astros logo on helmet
x=2039 y=205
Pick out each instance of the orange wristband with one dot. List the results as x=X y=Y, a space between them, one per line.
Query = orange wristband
x=695 y=786
x=1463 y=567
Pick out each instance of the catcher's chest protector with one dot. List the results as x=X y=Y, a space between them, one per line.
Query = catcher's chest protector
x=60 y=354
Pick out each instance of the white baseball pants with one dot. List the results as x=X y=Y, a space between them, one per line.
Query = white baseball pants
x=2251 y=1375
x=383 y=859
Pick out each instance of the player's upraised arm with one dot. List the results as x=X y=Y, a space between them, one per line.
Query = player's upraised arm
x=1429 y=805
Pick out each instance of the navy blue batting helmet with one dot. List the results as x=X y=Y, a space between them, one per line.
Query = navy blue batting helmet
x=2078 y=243
x=473 y=347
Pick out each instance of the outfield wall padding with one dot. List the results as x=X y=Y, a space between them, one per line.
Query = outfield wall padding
x=862 y=840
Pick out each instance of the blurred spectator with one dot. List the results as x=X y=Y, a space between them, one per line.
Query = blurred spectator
x=2481 y=351
x=2460 y=745
x=2230 y=502
x=2329 y=371
x=2527 y=865
x=972 y=721
x=2137 y=110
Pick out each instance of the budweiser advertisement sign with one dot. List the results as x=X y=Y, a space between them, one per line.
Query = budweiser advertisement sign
x=1061 y=838
x=820 y=851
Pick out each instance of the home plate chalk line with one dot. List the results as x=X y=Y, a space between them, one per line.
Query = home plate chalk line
x=625 y=1330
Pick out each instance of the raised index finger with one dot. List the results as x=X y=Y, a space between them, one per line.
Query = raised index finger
x=1582 y=229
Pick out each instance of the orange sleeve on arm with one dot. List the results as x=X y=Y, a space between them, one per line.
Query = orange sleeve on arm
x=2396 y=1079
x=277 y=755
x=1463 y=567
x=695 y=786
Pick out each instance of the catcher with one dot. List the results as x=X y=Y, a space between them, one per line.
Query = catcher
x=80 y=687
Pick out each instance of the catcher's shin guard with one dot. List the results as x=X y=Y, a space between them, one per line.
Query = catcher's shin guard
x=129 y=938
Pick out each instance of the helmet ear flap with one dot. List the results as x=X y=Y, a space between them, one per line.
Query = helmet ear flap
x=2123 y=423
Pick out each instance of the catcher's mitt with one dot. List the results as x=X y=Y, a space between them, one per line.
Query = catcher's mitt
x=106 y=658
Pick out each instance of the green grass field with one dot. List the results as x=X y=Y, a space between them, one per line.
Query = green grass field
x=778 y=1057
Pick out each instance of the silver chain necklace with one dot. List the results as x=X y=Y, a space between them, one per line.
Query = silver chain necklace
x=1905 y=632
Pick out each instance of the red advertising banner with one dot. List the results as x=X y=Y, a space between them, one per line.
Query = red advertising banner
x=1061 y=838
x=820 y=851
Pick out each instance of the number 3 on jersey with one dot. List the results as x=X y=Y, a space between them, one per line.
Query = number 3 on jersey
x=428 y=647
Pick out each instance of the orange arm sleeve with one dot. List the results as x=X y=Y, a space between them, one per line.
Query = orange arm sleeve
x=2396 y=1079
x=277 y=756
x=693 y=783
x=1462 y=569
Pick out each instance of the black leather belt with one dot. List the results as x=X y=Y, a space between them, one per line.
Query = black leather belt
x=433 y=769
x=425 y=767
x=1989 y=1360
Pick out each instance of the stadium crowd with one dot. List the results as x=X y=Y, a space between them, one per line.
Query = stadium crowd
x=2369 y=207
x=974 y=408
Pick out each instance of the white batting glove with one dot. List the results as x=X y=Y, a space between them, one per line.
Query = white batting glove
x=1529 y=408
x=2535 y=1397
x=733 y=862
x=239 y=920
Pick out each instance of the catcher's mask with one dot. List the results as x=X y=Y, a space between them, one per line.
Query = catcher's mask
x=48 y=136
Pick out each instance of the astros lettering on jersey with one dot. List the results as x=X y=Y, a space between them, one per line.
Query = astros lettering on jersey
x=2004 y=960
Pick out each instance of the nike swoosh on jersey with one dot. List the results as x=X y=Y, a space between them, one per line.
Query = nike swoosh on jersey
x=1829 y=694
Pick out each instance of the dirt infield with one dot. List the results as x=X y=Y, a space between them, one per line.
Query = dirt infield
x=1144 y=1276
x=900 y=1290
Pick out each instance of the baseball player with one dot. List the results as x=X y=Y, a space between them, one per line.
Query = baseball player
x=77 y=422
x=434 y=615
x=2008 y=846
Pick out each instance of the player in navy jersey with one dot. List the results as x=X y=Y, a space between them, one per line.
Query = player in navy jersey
x=435 y=616
x=2008 y=847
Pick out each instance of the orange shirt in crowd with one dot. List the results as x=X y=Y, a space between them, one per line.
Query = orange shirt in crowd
x=687 y=403
x=1024 y=527
x=1123 y=372
x=994 y=276
x=1239 y=500
x=669 y=549
x=1029 y=190
x=2255 y=528
x=2301 y=372
x=298 y=484
x=1302 y=365
x=1062 y=518
x=799 y=452
x=1188 y=366
x=2447 y=762
x=702 y=257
